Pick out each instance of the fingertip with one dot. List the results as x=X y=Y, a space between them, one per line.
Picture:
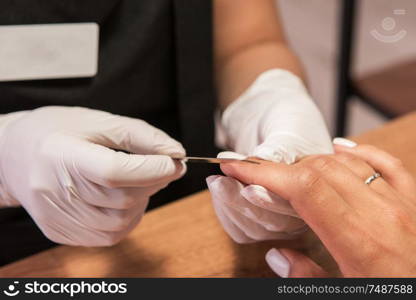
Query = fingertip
x=211 y=179
x=232 y=155
x=173 y=149
x=346 y=149
x=226 y=168
x=229 y=168
x=232 y=169
x=341 y=149
x=278 y=262
x=182 y=167
x=343 y=142
x=162 y=167
x=301 y=265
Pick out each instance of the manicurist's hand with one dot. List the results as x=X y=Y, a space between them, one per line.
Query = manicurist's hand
x=59 y=163
x=369 y=229
x=276 y=120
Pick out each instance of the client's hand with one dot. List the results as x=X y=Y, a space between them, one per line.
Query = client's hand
x=369 y=229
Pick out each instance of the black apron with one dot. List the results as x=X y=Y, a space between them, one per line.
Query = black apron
x=155 y=63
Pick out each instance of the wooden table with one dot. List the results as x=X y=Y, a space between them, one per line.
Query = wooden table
x=184 y=239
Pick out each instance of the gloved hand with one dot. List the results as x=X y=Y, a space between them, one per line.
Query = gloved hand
x=57 y=163
x=251 y=213
x=276 y=120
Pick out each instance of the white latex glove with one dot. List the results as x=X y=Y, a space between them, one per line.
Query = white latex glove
x=251 y=213
x=57 y=163
x=276 y=120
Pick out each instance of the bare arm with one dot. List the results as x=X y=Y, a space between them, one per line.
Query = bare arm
x=248 y=41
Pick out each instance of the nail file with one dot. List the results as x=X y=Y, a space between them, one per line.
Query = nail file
x=212 y=160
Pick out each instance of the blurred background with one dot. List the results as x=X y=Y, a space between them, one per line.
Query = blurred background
x=383 y=55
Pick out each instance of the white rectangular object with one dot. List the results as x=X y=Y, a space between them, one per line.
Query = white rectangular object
x=48 y=51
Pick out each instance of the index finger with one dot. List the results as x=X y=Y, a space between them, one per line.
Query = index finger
x=115 y=169
x=310 y=195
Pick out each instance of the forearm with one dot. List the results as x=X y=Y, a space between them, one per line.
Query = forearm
x=245 y=49
x=243 y=68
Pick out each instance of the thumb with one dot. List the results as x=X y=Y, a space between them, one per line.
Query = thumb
x=291 y=263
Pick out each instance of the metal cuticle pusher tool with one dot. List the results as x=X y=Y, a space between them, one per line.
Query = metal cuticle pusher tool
x=212 y=160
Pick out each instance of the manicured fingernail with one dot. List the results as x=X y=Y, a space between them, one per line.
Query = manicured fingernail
x=344 y=142
x=278 y=263
x=229 y=154
x=211 y=179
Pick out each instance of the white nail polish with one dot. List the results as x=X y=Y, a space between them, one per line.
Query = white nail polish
x=278 y=263
x=229 y=154
x=344 y=142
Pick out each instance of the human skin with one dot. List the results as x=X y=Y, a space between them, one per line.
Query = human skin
x=369 y=230
x=248 y=40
